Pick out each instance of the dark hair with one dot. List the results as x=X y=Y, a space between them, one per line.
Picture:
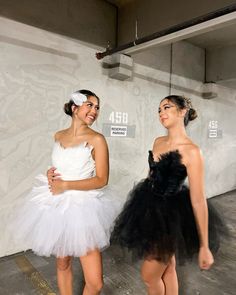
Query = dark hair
x=183 y=103
x=68 y=105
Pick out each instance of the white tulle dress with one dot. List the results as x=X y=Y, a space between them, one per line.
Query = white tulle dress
x=73 y=222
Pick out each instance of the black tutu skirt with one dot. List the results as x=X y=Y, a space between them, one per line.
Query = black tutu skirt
x=157 y=220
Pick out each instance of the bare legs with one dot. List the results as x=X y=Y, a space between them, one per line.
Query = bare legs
x=160 y=278
x=92 y=268
x=64 y=275
x=170 y=278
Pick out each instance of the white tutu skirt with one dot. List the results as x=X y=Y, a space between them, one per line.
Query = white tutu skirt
x=68 y=224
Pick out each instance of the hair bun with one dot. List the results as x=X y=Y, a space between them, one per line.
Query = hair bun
x=192 y=114
x=67 y=108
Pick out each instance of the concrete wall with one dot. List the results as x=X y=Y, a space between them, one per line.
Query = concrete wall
x=92 y=21
x=221 y=65
x=38 y=70
x=154 y=16
x=183 y=59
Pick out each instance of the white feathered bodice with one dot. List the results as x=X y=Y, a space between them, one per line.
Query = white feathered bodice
x=73 y=163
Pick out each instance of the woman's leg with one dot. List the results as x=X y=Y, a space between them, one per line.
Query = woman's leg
x=64 y=275
x=152 y=272
x=92 y=268
x=170 y=278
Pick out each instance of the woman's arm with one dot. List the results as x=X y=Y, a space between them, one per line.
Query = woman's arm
x=196 y=184
x=195 y=171
x=101 y=158
x=51 y=174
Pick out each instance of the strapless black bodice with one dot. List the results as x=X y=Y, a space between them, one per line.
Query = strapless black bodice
x=166 y=175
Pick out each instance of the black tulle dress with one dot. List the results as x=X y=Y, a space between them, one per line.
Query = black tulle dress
x=157 y=220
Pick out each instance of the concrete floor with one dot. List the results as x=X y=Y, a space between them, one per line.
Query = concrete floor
x=28 y=274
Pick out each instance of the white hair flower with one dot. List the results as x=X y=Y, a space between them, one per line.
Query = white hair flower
x=78 y=98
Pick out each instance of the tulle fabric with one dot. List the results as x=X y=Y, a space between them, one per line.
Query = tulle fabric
x=72 y=223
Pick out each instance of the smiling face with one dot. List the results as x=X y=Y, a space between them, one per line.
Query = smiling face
x=88 y=111
x=170 y=114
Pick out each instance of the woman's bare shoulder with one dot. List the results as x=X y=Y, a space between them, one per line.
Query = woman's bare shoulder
x=190 y=148
x=159 y=140
x=59 y=134
x=96 y=138
x=191 y=153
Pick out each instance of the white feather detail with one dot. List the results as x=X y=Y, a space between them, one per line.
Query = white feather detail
x=78 y=98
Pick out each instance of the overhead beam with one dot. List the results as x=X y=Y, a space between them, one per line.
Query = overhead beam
x=199 y=25
x=192 y=31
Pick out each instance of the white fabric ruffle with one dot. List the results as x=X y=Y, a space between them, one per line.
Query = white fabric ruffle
x=68 y=224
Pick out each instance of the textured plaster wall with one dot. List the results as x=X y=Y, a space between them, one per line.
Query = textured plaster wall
x=38 y=70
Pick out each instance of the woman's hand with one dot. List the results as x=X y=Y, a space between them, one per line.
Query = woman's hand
x=205 y=258
x=51 y=175
x=57 y=186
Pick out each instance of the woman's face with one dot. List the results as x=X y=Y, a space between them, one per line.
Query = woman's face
x=170 y=114
x=88 y=111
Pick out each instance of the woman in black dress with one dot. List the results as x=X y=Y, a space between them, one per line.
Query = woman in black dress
x=163 y=218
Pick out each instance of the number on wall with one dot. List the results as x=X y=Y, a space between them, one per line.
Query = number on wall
x=119 y=117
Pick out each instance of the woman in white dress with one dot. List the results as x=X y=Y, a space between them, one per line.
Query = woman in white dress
x=70 y=213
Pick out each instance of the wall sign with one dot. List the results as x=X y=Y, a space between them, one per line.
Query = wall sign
x=213 y=130
x=119 y=126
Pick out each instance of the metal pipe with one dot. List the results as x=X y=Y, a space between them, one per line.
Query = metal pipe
x=173 y=29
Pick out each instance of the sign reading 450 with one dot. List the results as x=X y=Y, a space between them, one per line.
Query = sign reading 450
x=119 y=117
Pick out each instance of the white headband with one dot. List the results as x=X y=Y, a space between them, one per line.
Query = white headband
x=78 y=98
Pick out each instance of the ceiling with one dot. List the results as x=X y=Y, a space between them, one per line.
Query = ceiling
x=219 y=42
x=222 y=37
x=119 y=3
